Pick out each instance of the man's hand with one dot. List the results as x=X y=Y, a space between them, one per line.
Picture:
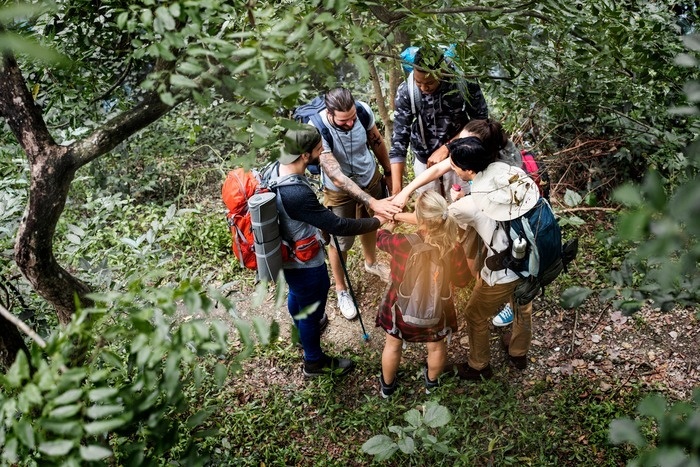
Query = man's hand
x=439 y=155
x=383 y=220
x=384 y=207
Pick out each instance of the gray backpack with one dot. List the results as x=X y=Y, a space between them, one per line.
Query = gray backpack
x=425 y=287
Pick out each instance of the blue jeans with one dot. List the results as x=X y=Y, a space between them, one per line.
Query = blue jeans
x=308 y=286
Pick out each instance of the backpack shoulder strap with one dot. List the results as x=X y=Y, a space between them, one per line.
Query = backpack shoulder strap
x=414 y=95
x=287 y=180
x=323 y=129
x=362 y=115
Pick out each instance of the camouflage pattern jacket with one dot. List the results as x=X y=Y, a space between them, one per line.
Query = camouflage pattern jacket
x=444 y=114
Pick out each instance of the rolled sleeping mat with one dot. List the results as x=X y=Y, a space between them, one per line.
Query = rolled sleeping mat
x=266 y=235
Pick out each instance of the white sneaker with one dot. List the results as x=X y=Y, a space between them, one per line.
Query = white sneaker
x=379 y=269
x=505 y=317
x=346 y=305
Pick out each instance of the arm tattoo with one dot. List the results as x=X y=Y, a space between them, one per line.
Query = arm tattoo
x=331 y=167
x=375 y=139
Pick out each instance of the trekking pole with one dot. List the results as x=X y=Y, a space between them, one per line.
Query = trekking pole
x=365 y=336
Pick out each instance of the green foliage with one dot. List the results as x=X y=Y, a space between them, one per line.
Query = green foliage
x=421 y=432
x=124 y=381
x=675 y=439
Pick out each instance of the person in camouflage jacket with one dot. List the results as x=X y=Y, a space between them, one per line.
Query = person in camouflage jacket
x=444 y=106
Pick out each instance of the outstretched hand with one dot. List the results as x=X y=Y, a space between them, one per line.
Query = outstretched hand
x=402 y=198
x=385 y=207
x=439 y=155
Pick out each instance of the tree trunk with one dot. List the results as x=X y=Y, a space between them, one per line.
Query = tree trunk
x=51 y=177
x=52 y=169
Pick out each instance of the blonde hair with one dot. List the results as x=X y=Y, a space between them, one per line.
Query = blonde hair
x=439 y=226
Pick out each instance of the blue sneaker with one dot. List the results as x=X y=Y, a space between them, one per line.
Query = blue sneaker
x=504 y=317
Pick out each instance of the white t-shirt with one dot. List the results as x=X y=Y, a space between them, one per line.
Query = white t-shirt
x=468 y=214
x=351 y=151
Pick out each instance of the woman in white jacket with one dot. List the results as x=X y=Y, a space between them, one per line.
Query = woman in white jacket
x=499 y=192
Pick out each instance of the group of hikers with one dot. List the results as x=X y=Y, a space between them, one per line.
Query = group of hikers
x=468 y=178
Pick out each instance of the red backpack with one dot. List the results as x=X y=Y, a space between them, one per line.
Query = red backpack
x=537 y=171
x=239 y=187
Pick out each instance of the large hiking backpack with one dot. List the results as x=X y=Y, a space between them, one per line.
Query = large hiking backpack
x=238 y=189
x=241 y=185
x=545 y=257
x=425 y=286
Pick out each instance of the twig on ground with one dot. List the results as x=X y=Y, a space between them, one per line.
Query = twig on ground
x=590 y=208
x=600 y=317
x=573 y=334
x=621 y=385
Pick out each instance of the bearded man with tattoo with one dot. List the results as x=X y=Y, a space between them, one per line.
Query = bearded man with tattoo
x=353 y=183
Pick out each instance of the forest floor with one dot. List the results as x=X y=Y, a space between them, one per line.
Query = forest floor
x=656 y=350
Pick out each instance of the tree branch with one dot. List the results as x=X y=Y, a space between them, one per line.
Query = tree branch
x=20 y=111
x=116 y=130
x=22 y=326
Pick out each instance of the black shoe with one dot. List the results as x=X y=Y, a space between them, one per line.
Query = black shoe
x=430 y=384
x=518 y=362
x=328 y=366
x=464 y=371
x=323 y=323
x=386 y=390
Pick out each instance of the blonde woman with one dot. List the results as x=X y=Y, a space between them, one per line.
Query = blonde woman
x=438 y=229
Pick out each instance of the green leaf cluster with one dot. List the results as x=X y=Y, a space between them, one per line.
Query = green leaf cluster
x=123 y=382
x=674 y=441
x=422 y=432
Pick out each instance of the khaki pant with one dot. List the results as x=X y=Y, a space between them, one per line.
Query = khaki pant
x=483 y=305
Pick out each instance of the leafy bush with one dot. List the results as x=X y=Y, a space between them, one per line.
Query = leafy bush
x=676 y=440
x=124 y=380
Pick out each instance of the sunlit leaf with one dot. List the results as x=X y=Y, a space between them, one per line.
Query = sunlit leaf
x=574 y=297
x=624 y=430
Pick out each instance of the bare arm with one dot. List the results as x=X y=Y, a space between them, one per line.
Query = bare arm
x=406 y=217
x=331 y=168
x=426 y=177
x=397 y=169
x=376 y=143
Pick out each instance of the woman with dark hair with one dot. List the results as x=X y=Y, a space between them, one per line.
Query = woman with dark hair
x=493 y=140
x=499 y=192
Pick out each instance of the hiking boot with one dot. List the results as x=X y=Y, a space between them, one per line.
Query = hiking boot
x=504 y=317
x=346 y=305
x=380 y=270
x=430 y=384
x=328 y=366
x=464 y=371
x=518 y=362
x=386 y=390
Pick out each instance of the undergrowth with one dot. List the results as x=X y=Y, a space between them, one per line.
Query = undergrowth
x=495 y=422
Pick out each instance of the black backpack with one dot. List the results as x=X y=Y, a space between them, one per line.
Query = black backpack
x=425 y=287
x=544 y=258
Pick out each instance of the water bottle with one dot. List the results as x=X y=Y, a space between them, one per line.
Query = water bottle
x=519 y=248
